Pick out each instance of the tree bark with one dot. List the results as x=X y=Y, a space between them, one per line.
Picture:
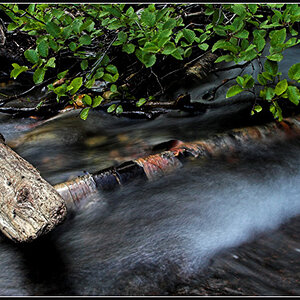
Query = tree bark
x=29 y=205
x=173 y=157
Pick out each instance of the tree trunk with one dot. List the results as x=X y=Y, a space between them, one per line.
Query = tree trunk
x=30 y=206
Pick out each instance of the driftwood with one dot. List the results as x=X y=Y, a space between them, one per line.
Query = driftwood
x=29 y=205
x=176 y=153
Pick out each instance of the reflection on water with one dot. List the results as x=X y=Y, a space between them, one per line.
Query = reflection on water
x=156 y=238
x=76 y=145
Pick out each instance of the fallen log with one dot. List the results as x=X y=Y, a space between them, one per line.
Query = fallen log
x=29 y=205
x=156 y=165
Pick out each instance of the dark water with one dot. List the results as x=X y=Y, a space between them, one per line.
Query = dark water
x=222 y=227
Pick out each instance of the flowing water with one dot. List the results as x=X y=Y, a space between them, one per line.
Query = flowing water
x=220 y=227
x=199 y=231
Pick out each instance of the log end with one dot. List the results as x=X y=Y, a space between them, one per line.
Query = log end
x=29 y=205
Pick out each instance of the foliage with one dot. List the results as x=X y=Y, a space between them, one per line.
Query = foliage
x=90 y=32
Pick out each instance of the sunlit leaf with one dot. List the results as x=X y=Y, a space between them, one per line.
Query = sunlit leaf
x=84 y=113
x=281 y=87
x=234 y=90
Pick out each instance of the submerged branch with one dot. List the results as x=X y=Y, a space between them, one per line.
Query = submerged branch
x=175 y=154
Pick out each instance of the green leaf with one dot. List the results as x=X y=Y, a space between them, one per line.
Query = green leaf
x=270 y=93
x=114 y=11
x=85 y=40
x=178 y=36
x=203 y=46
x=277 y=37
x=261 y=79
x=223 y=44
x=57 y=13
x=189 y=35
x=87 y=100
x=239 y=9
x=148 y=18
x=76 y=85
x=234 y=90
x=107 y=77
x=294 y=72
x=12 y=26
x=258 y=40
x=128 y=48
x=141 y=102
x=253 y=8
x=119 y=109
x=88 y=25
x=53 y=45
x=62 y=74
x=99 y=73
x=38 y=75
x=248 y=81
x=97 y=101
x=278 y=111
x=114 y=88
x=149 y=60
x=115 y=25
x=257 y=108
x=51 y=63
x=249 y=55
x=111 y=108
x=226 y=57
x=238 y=24
x=43 y=48
x=240 y=81
x=271 y=67
x=164 y=36
x=281 y=87
x=112 y=69
x=150 y=47
x=275 y=57
x=169 y=24
x=177 y=54
x=242 y=34
x=84 y=65
x=293 y=94
x=250 y=47
x=122 y=36
x=53 y=29
x=84 y=113
x=17 y=70
x=32 y=56
x=187 y=52
x=267 y=75
x=89 y=84
x=169 y=48
x=76 y=25
x=219 y=30
x=73 y=46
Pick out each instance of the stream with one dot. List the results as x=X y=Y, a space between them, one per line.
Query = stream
x=219 y=227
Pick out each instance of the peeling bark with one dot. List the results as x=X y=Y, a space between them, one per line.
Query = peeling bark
x=29 y=205
x=176 y=153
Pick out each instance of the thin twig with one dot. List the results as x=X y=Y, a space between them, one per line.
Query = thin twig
x=26 y=12
x=199 y=13
x=4 y=101
x=161 y=87
x=96 y=64
x=230 y=68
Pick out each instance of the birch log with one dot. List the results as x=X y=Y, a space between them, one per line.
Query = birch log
x=157 y=165
x=29 y=205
